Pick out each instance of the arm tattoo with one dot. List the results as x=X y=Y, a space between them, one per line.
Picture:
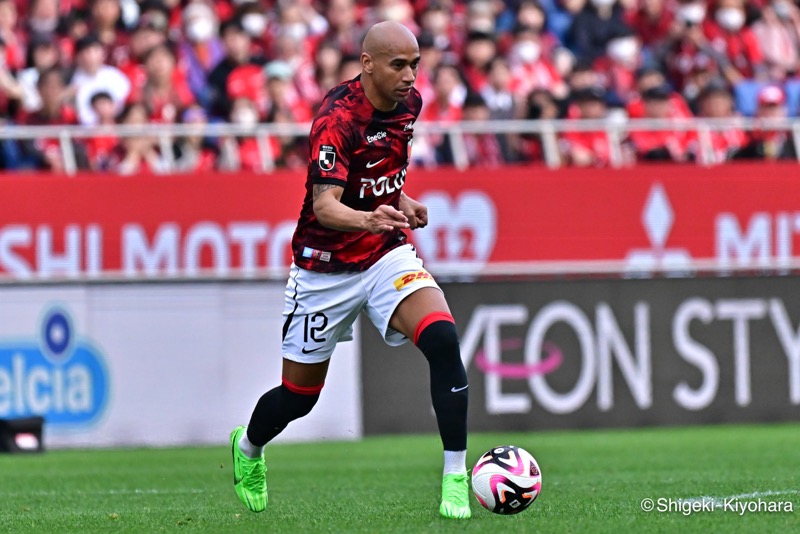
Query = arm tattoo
x=319 y=188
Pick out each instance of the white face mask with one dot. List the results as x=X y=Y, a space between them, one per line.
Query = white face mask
x=782 y=9
x=200 y=30
x=603 y=3
x=396 y=13
x=295 y=30
x=528 y=52
x=692 y=13
x=623 y=50
x=254 y=24
x=730 y=18
x=246 y=117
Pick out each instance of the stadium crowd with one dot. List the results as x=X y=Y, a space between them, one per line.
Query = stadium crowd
x=105 y=62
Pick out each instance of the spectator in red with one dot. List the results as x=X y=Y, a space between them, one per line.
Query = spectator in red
x=165 y=93
x=778 y=35
x=531 y=14
x=540 y=105
x=282 y=94
x=292 y=49
x=651 y=20
x=478 y=52
x=237 y=45
x=484 y=149
x=100 y=149
x=437 y=23
x=716 y=102
x=646 y=78
x=618 y=66
x=328 y=58
x=687 y=47
x=11 y=91
x=45 y=153
x=137 y=154
x=43 y=16
x=596 y=24
x=344 y=29
x=530 y=69
x=770 y=143
x=588 y=148
x=104 y=21
x=42 y=55
x=93 y=76
x=201 y=50
x=195 y=152
x=243 y=152
x=14 y=39
x=150 y=32
x=729 y=35
x=449 y=93
x=658 y=145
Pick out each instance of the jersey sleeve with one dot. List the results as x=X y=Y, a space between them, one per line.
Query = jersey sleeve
x=331 y=146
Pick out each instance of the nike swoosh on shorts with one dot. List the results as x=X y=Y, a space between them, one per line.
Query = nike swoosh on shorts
x=456 y=390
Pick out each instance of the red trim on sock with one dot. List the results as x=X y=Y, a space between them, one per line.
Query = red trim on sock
x=429 y=319
x=302 y=390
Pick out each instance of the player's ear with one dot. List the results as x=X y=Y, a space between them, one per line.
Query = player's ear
x=366 y=62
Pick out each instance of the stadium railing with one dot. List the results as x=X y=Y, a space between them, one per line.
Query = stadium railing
x=616 y=129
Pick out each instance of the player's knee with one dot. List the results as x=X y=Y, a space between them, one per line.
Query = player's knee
x=437 y=337
x=298 y=401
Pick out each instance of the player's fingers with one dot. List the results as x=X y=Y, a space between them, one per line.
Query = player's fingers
x=393 y=213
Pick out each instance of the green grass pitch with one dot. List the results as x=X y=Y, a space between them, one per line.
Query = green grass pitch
x=593 y=481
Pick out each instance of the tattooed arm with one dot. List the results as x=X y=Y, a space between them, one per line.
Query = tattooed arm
x=330 y=212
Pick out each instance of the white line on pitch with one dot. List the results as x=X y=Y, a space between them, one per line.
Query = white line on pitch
x=136 y=491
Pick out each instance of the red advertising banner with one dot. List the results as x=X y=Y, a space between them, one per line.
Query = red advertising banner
x=640 y=218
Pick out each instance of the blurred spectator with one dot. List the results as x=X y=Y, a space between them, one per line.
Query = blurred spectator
x=560 y=15
x=195 y=152
x=344 y=31
x=282 y=94
x=597 y=23
x=150 y=32
x=583 y=76
x=651 y=21
x=11 y=92
x=648 y=78
x=687 y=48
x=165 y=93
x=778 y=36
x=397 y=10
x=530 y=69
x=737 y=43
x=105 y=22
x=14 y=40
x=349 y=68
x=43 y=16
x=292 y=49
x=716 y=102
x=479 y=50
x=243 y=153
x=448 y=98
x=765 y=143
x=437 y=25
x=45 y=153
x=201 y=50
x=100 y=149
x=618 y=66
x=483 y=150
x=137 y=154
x=93 y=76
x=539 y=105
x=498 y=92
x=328 y=58
x=237 y=44
x=588 y=148
x=42 y=55
x=659 y=145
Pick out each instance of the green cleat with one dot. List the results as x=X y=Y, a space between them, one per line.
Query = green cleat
x=249 y=475
x=455 y=497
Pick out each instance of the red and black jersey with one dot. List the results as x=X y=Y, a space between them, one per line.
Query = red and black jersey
x=366 y=151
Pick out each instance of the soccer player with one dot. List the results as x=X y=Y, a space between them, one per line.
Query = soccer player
x=351 y=255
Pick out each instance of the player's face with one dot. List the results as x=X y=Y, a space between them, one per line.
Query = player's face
x=394 y=73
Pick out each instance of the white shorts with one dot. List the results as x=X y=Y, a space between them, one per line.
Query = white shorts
x=322 y=307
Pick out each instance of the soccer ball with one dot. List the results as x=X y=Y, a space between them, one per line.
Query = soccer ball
x=506 y=480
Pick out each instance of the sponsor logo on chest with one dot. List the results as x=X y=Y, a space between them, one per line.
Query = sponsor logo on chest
x=377 y=137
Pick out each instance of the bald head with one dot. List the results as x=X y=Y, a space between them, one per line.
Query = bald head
x=388 y=38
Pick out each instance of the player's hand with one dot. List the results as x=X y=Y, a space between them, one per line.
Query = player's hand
x=416 y=212
x=385 y=219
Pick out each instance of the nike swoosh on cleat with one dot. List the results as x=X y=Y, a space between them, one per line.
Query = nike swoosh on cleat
x=370 y=164
x=456 y=390
x=304 y=351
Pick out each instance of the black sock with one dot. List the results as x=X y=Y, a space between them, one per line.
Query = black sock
x=275 y=409
x=439 y=343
